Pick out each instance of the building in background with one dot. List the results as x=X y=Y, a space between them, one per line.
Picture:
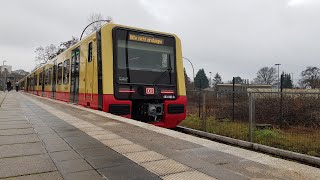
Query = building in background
x=228 y=88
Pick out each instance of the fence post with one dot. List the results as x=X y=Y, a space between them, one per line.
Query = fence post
x=251 y=116
x=204 y=112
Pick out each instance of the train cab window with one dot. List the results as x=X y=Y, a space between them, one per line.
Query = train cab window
x=90 y=52
x=66 y=69
x=59 y=73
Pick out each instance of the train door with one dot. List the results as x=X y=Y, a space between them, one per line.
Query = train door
x=54 y=76
x=75 y=69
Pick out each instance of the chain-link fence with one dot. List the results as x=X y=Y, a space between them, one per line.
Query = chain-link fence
x=286 y=120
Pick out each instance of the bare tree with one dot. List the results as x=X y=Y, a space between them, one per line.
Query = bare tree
x=44 y=54
x=310 y=77
x=266 y=75
x=97 y=25
x=65 y=45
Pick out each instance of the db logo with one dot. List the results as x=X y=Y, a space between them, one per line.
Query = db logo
x=149 y=90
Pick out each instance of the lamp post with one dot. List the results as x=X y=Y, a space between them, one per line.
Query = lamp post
x=192 y=70
x=102 y=20
x=278 y=76
x=5 y=76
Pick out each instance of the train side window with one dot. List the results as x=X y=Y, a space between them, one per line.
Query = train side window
x=59 y=73
x=49 y=75
x=90 y=52
x=40 y=78
x=46 y=77
x=35 y=80
x=66 y=68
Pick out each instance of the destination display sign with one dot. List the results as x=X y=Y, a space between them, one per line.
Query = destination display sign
x=146 y=39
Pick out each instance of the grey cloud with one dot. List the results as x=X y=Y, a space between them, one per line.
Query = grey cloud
x=231 y=37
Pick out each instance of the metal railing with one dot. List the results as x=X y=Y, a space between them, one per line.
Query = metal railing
x=285 y=120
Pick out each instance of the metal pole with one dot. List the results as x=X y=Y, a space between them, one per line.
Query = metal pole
x=192 y=70
x=278 y=76
x=281 y=100
x=204 y=112
x=251 y=117
x=233 y=84
x=5 y=76
x=200 y=100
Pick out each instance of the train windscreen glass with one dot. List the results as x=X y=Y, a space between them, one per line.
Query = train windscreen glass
x=141 y=52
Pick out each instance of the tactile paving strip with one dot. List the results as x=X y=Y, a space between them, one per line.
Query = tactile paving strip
x=145 y=156
x=101 y=137
x=116 y=142
x=189 y=175
x=165 y=167
x=129 y=148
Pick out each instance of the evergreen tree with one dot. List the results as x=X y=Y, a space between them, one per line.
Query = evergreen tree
x=201 y=81
x=237 y=80
x=187 y=80
x=286 y=81
x=217 y=79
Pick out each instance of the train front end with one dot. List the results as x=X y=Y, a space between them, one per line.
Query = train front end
x=148 y=77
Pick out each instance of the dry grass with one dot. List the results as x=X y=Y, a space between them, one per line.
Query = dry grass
x=301 y=140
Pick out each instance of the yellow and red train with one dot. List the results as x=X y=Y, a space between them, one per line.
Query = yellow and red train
x=122 y=70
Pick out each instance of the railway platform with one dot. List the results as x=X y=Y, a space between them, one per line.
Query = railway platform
x=42 y=138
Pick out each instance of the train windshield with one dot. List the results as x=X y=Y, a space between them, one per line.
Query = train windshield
x=140 y=52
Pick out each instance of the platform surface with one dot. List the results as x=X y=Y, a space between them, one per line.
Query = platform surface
x=42 y=138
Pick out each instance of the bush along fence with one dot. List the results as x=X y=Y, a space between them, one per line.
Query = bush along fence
x=285 y=120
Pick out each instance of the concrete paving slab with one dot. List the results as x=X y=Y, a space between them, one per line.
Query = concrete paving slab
x=92 y=152
x=25 y=165
x=43 y=130
x=64 y=155
x=15 y=126
x=84 y=175
x=6 y=119
x=82 y=142
x=42 y=176
x=55 y=147
x=109 y=160
x=9 y=132
x=13 y=122
x=129 y=172
x=21 y=149
x=72 y=134
x=74 y=165
x=18 y=139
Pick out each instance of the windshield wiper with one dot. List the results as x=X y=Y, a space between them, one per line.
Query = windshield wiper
x=163 y=73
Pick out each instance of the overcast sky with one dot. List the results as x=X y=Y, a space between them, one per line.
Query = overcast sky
x=232 y=37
